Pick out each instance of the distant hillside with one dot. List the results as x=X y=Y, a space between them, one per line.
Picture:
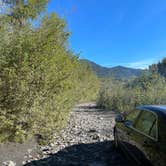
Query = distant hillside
x=118 y=72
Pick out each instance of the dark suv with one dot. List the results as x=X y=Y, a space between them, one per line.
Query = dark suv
x=142 y=135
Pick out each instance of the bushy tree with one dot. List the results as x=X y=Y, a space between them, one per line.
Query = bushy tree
x=89 y=83
x=40 y=77
x=20 y=11
x=146 y=89
x=159 y=68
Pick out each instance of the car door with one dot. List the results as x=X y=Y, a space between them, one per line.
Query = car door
x=123 y=131
x=126 y=131
x=144 y=136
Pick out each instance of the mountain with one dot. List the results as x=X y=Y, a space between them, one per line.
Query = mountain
x=118 y=72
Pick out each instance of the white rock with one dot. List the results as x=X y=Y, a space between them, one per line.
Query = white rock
x=9 y=163
x=24 y=162
x=29 y=150
x=52 y=145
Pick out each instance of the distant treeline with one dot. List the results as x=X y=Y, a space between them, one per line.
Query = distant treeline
x=40 y=77
x=149 y=88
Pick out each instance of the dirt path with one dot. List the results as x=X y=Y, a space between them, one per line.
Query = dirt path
x=87 y=141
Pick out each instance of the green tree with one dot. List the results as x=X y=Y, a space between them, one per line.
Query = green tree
x=19 y=11
x=40 y=77
x=159 y=68
x=146 y=89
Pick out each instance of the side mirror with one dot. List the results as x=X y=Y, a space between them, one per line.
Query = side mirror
x=119 y=118
x=128 y=123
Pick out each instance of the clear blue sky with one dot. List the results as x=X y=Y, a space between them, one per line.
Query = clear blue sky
x=131 y=33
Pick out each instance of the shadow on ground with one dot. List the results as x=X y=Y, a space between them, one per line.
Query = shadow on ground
x=93 y=154
x=90 y=105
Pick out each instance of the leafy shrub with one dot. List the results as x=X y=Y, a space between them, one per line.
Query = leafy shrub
x=40 y=79
x=122 y=97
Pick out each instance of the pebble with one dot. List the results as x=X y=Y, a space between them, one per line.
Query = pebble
x=87 y=132
x=9 y=163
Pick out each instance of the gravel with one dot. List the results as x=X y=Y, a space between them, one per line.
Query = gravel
x=86 y=141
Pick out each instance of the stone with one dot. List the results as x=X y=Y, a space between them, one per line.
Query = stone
x=24 y=162
x=29 y=150
x=9 y=163
x=51 y=145
x=92 y=130
x=95 y=136
x=82 y=142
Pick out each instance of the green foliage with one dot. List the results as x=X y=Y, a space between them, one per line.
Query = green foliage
x=40 y=80
x=122 y=97
x=89 y=83
x=19 y=11
x=159 y=68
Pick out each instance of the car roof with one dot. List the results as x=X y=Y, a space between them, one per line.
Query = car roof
x=159 y=109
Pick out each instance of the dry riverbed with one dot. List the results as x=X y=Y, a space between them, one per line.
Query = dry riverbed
x=87 y=141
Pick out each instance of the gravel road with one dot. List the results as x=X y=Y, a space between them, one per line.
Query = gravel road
x=86 y=141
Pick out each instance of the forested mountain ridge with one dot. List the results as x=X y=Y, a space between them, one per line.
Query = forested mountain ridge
x=118 y=72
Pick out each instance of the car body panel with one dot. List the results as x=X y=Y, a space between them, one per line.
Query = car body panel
x=140 y=145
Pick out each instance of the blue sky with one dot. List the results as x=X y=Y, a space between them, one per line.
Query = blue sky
x=131 y=33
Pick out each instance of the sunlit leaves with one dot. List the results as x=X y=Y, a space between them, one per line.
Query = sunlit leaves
x=40 y=78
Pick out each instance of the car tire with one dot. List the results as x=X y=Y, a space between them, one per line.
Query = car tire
x=116 y=144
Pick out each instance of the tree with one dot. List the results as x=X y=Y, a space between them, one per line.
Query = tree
x=40 y=77
x=19 y=11
x=159 y=68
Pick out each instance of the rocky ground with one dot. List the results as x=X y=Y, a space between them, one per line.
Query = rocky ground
x=87 y=141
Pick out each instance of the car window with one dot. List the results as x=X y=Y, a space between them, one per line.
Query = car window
x=133 y=115
x=153 y=130
x=147 y=123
